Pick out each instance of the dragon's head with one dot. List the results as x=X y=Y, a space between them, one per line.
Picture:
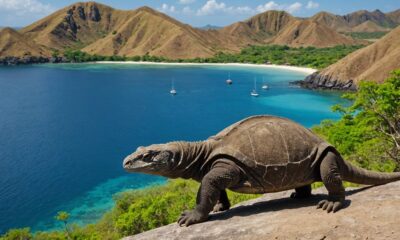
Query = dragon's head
x=156 y=159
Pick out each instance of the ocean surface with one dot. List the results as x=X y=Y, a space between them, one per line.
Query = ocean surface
x=64 y=129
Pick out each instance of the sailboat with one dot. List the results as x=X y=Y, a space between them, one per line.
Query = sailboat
x=254 y=93
x=173 y=91
x=229 y=80
x=264 y=86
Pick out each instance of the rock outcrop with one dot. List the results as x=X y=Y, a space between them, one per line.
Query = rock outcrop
x=372 y=63
x=370 y=213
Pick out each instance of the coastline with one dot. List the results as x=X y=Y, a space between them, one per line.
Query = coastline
x=270 y=66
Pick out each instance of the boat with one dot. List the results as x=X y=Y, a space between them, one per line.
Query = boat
x=264 y=86
x=229 y=80
x=173 y=91
x=254 y=93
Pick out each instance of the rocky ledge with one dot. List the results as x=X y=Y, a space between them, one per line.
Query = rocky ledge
x=11 y=61
x=369 y=213
x=318 y=81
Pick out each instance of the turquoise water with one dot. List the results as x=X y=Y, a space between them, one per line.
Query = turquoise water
x=66 y=128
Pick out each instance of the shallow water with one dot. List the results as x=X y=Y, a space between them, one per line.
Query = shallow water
x=64 y=129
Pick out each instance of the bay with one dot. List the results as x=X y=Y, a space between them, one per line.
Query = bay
x=64 y=129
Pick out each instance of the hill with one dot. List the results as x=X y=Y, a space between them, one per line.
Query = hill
x=360 y=21
x=371 y=213
x=369 y=26
x=13 y=43
x=335 y=22
x=378 y=17
x=279 y=27
x=99 y=29
x=310 y=33
x=373 y=62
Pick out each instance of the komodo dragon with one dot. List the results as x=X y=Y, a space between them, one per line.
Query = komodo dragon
x=260 y=154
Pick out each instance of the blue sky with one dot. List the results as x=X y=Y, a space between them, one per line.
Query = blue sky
x=195 y=12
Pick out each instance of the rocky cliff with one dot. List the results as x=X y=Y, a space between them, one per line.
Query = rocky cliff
x=370 y=213
x=372 y=63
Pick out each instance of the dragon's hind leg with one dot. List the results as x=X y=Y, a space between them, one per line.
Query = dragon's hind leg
x=302 y=192
x=330 y=175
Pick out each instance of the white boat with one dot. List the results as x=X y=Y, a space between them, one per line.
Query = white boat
x=229 y=80
x=264 y=86
x=254 y=93
x=173 y=91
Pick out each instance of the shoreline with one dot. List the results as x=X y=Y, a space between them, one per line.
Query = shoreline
x=270 y=66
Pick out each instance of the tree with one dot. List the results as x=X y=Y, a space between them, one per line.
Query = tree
x=63 y=217
x=370 y=127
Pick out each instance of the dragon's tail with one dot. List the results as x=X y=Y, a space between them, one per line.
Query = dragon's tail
x=358 y=175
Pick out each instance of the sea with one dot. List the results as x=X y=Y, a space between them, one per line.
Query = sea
x=65 y=128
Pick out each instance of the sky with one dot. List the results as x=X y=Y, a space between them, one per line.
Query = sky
x=19 y=13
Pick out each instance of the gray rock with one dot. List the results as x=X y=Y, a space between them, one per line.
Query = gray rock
x=370 y=213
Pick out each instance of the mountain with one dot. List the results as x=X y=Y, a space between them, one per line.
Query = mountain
x=99 y=29
x=374 y=63
x=394 y=16
x=269 y=23
x=13 y=43
x=310 y=33
x=376 y=16
x=360 y=21
x=279 y=27
x=74 y=26
x=335 y=22
x=369 y=26
x=210 y=27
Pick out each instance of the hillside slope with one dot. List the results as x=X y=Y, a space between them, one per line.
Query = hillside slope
x=310 y=33
x=370 y=213
x=374 y=62
x=12 y=43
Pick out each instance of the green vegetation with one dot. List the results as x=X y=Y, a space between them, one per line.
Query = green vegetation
x=368 y=133
x=134 y=212
x=274 y=54
x=366 y=35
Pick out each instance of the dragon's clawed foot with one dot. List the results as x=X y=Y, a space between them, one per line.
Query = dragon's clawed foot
x=191 y=217
x=330 y=205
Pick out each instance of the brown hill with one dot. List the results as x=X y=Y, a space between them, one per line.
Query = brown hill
x=373 y=63
x=394 y=16
x=378 y=17
x=12 y=43
x=369 y=26
x=335 y=22
x=146 y=31
x=310 y=33
x=269 y=23
x=99 y=29
x=74 y=26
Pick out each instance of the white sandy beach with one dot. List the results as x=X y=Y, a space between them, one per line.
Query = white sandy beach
x=270 y=66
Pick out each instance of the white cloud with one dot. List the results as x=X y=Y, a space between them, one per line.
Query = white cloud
x=213 y=7
x=271 y=5
x=293 y=7
x=23 y=7
x=186 y=1
x=312 y=5
x=167 y=8
x=268 y=6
